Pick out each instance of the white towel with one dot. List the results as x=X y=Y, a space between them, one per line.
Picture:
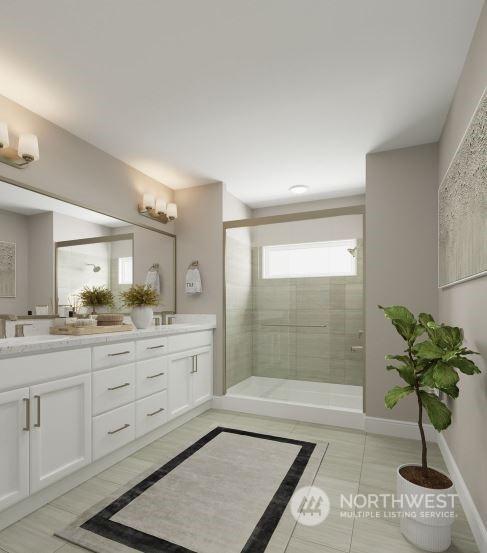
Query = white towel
x=152 y=279
x=193 y=281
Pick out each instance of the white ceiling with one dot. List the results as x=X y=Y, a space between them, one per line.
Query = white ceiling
x=259 y=94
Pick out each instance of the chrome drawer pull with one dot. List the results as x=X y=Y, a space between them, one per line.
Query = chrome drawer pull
x=126 y=425
x=155 y=412
x=125 y=384
x=27 y=414
x=155 y=375
x=155 y=347
x=38 y=423
x=119 y=353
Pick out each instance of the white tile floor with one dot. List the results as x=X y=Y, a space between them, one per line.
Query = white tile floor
x=300 y=392
x=354 y=462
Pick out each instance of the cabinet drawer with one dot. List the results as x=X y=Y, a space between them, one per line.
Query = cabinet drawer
x=113 y=354
x=145 y=349
x=42 y=367
x=113 y=430
x=181 y=342
x=150 y=413
x=151 y=376
x=113 y=388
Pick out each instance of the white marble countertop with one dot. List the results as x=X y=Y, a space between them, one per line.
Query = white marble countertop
x=30 y=345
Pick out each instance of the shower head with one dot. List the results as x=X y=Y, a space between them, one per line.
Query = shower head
x=353 y=251
x=96 y=268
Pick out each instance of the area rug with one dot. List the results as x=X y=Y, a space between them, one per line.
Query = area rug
x=225 y=493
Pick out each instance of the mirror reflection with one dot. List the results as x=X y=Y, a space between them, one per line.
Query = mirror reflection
x=52 y=251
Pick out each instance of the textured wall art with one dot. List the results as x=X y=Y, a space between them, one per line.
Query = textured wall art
x=7 y=270
x=462 y=201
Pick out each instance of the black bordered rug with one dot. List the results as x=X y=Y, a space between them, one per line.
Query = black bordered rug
x=225 y=493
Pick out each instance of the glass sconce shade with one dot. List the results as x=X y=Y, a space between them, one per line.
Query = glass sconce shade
x=4 y=141
x=172 y=211
x=148 y=201
x=28 y=147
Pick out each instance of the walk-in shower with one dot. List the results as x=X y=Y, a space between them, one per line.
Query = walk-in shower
x=294 y=311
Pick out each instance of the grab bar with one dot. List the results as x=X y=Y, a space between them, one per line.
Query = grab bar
x=298 y=326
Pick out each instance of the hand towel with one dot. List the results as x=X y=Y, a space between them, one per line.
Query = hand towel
x=153 y=280
x=193 y=281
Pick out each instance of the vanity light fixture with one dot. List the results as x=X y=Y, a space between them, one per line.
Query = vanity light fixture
x=156 y=208
x=27 y=149
x=298 y=189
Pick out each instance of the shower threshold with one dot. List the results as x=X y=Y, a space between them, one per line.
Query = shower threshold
x=300 y=392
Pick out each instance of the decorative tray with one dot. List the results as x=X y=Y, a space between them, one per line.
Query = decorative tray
x=71 y=330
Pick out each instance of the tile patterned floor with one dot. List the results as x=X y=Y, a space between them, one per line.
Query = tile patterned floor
x=354 y=462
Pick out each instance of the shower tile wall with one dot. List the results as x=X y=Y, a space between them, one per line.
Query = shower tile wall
x=238 y=276
x=300 y=352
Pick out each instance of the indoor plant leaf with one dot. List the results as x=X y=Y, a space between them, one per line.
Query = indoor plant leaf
x=426 y=379
x=403 y=358
x=428 y=350
x=406 y=372
x=398 y=313
x=425 y=318
x=397 y=393
x=444 y=375
x=451 y=391
x=438 y=412
x=465 y=365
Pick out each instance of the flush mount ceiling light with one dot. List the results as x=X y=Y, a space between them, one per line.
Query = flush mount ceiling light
x=298 y=189
x=158 y=209
x=27 y=149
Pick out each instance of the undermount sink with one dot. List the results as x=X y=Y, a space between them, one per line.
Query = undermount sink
x=6 y=342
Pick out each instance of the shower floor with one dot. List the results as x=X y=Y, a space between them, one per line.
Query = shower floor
x=300 y=392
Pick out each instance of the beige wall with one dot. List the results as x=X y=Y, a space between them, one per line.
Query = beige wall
x=41 y=261
x=330 y=203
x=401 y=260
x=465 y=304
x=200 y=237
x=77 y=171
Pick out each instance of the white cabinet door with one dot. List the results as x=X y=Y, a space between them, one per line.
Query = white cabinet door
x=179 y=384
x=60 y=437
x=14 y=446
x=202 y=377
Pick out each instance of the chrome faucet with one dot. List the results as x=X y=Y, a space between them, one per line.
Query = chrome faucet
x=19 y=329
x=3 y=324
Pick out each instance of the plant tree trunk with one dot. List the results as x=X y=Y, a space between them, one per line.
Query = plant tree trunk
x=424 y=453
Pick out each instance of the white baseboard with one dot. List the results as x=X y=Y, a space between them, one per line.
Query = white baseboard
x=477 y=525
x=303 y=413
x=399 y=429
x=41 y=498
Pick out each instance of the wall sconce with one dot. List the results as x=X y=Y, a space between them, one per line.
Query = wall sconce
x=158 y=209
x=27 y=150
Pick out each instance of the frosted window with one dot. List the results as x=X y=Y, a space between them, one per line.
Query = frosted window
x=316 y=259
x=125 y=270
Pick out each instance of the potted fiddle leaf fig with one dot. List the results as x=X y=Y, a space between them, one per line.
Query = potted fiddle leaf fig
x=429 y=367
x=141 y=298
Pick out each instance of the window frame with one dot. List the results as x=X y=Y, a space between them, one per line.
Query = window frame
x=348 y=243
x=120 y=262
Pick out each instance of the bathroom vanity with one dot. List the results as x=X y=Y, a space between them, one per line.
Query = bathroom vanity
x=72 y=406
